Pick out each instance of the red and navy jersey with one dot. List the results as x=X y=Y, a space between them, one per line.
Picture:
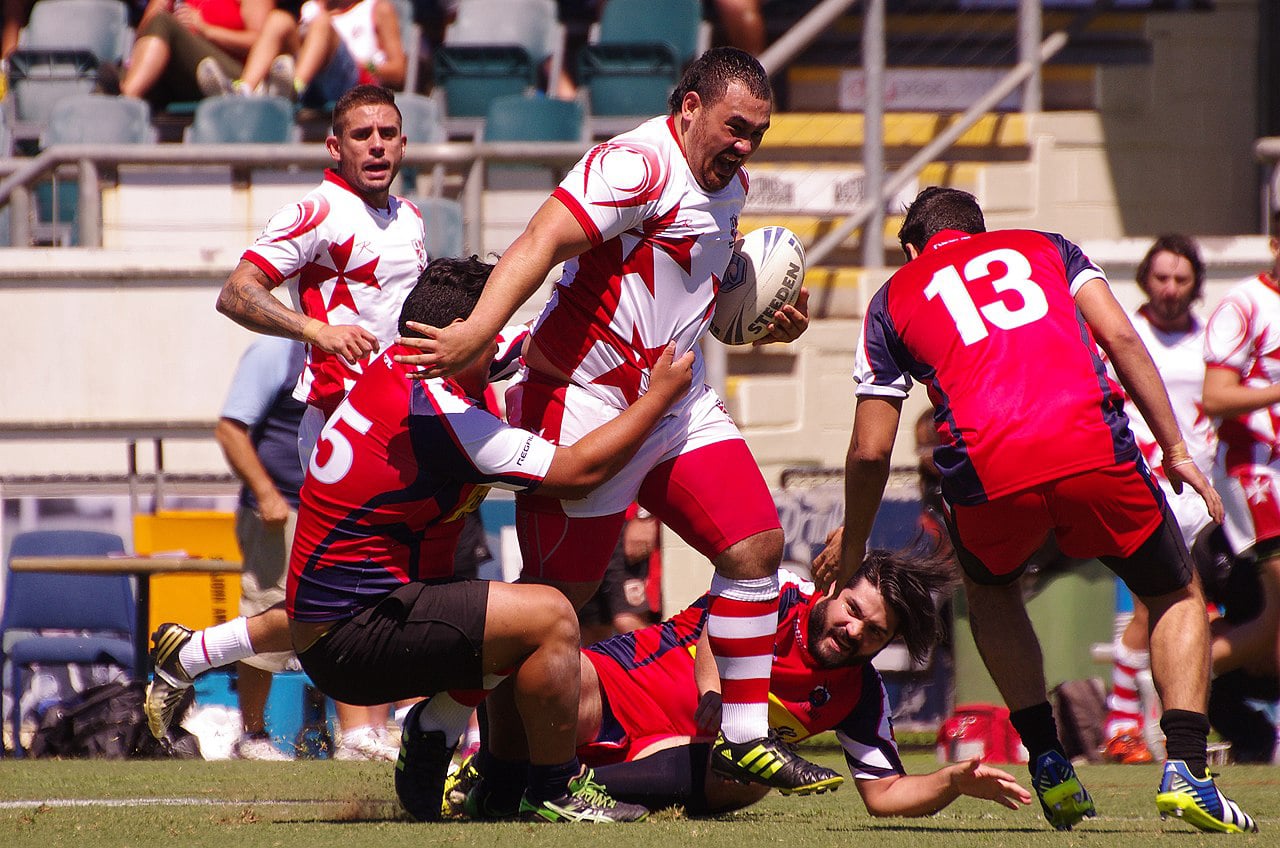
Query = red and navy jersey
x=989 y=324
x=396 y=468
x=648 y=680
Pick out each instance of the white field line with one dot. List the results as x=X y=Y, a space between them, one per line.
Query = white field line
x=157 y=802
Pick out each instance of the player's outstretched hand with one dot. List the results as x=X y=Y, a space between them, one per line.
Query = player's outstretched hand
x=351 y=342
x=671 y=377
x=445 y=350
x=976 y=780
x=826 y=569
x=1184 y=471
x=789 y=322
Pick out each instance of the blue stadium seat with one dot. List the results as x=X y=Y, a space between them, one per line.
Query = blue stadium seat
x=232 y=119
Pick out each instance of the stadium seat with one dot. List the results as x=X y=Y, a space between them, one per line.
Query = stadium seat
x=84 y=119
x=40 y=78
x=442 y=221
x=232 y=119
x=635 y=56
x=530 y=118
x=495 y=48
x=422 y=124
x=99 y=607
x=99 y=26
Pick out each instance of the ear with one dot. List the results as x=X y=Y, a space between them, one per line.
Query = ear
x=334 y=147
x=911 y=252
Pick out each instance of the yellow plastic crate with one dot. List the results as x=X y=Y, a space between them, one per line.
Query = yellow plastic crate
x=194 y=600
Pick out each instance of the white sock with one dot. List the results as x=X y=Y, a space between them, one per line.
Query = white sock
x=214 y=647
x=446 y=713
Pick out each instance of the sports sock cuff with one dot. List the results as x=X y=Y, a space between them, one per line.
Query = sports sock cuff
x=757 y=589
x=217 y=646
x=1134 y=658
x=548 y=782
x=1036 y=727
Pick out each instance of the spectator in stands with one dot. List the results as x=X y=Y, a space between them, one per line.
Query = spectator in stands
x=742 y=23
x=16 y=13
x=258 y=434
x=338 y=44
x=175 y=35
x=1171 y=275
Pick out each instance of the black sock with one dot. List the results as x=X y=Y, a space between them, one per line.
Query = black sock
x=505 y=780
x=673 y=777
x=1186 y=735
x=548 y=782
x=1036 y=727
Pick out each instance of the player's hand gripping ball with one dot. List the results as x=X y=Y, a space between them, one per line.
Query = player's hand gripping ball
x=764 y=274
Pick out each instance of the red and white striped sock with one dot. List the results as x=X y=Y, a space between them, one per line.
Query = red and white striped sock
x=1124 y=710
x=742 y=625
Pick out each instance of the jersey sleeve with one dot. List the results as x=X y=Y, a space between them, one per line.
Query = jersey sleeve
x=1227 y=336
x=485 y=449
x=288 y=241
x=1079 y=269
x=264 y=369
x=879 y=368
x=866 y=734
x=510 y=349
x=614 y=188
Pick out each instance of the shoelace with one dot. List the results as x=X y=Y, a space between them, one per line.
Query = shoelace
x=593 y=793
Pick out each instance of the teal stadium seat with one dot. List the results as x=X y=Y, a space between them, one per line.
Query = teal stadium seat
x=422 y=123
x=495 y=48
x=84 y=119
x=99 y=26
x=635 y=57
x=442 y=221
x=233 y=119
x=530 y=118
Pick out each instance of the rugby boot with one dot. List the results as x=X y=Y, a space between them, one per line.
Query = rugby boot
x=1199 y=802
x=422 y=767
x=169 y=682
x=1063 y=798
x=586 y=801
x=771 y=762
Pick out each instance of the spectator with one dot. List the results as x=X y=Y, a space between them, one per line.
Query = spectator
x=1004 y=327
x=174 y=36
x=338 y=44
x=742 y=23
x=1171 y=275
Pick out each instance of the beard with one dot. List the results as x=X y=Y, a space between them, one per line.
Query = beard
x=819 y=647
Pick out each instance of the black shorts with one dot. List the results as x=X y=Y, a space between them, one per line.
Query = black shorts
x=622 y=590
x=421 y=639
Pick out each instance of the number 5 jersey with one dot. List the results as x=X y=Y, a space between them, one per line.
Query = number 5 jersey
x=988 y=323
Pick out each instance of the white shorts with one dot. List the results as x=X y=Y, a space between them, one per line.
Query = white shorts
x=573 y=412
x=1251 y=499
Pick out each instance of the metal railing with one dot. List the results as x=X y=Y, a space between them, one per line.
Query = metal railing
x=1267 y=151
x=89 y=160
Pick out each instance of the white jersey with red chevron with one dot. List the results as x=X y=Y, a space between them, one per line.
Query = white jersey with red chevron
x=354 y=264
x=659 y=246
x=1243 y=335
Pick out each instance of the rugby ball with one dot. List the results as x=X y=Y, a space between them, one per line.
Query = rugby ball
x=764 y=274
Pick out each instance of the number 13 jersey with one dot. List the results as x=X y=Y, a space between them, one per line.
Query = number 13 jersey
x=988 y=322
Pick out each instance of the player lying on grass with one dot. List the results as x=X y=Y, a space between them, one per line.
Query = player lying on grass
x=648 y=710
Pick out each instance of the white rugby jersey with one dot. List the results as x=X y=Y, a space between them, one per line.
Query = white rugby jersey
x=1179 y=357
x=1243 y=334
x=659 y=247
x=354 y=264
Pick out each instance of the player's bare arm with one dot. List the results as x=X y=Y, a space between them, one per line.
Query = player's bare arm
x=1115 y=334
x=866 y=470
x=789 y=322
x=553 y=235
x=237 y=446
x=1226 y=395
x=577 y=469
x=925 y=794
x=246 y=298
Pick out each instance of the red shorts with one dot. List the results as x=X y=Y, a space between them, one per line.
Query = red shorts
x=1109 y=512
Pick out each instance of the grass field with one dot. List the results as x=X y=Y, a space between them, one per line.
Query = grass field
x=107 y=804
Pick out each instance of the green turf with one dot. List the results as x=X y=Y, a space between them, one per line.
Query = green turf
x=324 y=803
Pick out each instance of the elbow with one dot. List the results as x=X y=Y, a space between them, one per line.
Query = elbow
x=1213 y=406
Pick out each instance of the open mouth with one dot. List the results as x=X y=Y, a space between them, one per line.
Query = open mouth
x=377 y=169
